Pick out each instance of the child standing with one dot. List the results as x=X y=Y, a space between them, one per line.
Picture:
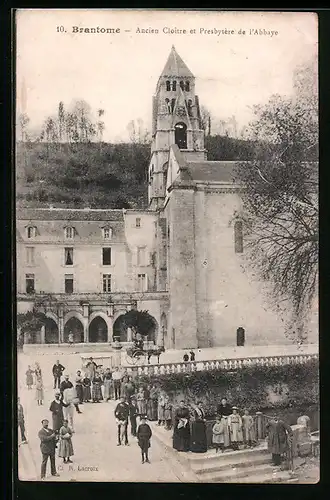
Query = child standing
x=39 y=391
x=235 y=428
x=248 y=429
x=144 y=434
x=218 y=435
x=66 y=449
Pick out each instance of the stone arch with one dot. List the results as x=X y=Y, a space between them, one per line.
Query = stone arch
x=74 y=322
x=106 y=327
x=51 y=330
x=119 y=330
x=180 y=132
x=52 y=316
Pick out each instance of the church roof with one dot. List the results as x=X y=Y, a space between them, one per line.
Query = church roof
x=211 y=171
x=66 y=214
x=175 y=66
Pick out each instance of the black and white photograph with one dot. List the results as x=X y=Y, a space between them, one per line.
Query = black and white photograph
x=166 y=187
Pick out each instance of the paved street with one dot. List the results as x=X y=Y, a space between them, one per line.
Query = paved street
x=94 y=442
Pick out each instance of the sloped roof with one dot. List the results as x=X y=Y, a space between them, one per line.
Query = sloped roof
x=175 y=66
x=69 y=214
x=211 y=171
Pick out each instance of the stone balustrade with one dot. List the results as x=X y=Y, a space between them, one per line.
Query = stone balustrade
x=225 y=364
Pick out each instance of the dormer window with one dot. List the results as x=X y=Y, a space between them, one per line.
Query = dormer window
x=31 y=231
x=107 y=233
x=69 y=232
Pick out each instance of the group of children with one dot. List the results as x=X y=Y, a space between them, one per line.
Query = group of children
x=233 y=430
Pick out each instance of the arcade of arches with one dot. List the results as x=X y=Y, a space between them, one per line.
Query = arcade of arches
x=97 y=331
x=120 y=330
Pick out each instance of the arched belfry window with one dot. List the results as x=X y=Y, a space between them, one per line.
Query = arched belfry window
x=180 y=132
x=174 y=85
x=182 y=85
x=238 y=236
x=172 y=105
x=168 y=106
x=189 y=107
x=168 y=85
x=187 y=86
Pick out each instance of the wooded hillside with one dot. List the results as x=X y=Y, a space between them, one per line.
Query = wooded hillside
x=97 y=174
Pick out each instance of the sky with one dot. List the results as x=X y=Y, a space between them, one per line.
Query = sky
x=118 y=72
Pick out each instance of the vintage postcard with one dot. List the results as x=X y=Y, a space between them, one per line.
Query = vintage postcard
x=167 y=246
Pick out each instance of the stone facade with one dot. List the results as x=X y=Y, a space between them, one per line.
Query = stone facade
x=182 y=260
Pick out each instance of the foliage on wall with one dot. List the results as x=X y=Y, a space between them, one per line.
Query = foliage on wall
x=247 y=387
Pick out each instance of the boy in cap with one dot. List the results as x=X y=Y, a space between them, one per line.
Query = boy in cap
x=144 y=434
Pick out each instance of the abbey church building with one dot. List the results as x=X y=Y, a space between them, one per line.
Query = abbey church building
x=182 y=259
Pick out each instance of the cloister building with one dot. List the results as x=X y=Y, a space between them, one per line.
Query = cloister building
x=182 y=259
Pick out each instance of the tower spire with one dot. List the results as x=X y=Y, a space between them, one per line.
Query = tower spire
x=175 y=66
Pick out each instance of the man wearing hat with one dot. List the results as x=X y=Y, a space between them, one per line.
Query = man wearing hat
x=122 y=414
x=66 y=384
x=56 y=407
x=279 y=438
x=47 y=446
x=144 y=434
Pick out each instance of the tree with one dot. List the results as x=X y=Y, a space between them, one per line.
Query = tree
x=206 y=119
x=30 y=322
x=138 y=133
x=280 y=198
x=24 y=120
x=141 y=322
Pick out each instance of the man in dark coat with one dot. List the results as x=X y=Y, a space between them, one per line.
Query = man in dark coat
x=224 y=409
x=56 y=408
x=20 y=420
x=122 y=414
x=144 y=434
x=279 y=438
x=133 y=413
x=66 y=384
x=47 y=446
x=58 y=370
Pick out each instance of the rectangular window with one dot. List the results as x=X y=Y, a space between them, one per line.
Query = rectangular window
x=106 y=283
x=29 y=283
x=68 y=256
x=31 y=232
x=106 y=256
x=142 y=283
x=138 y=222
x=69 y=233
x=68 y=282
x=141 y=256
x=30 y=255
x=107 y=233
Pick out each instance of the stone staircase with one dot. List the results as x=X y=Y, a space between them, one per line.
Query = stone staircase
x=252 y=465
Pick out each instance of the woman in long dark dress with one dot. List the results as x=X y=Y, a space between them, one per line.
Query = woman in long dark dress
x=96 y=388
x=198 y=430
x=181 y=434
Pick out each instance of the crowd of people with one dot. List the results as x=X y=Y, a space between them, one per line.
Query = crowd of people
x=138 y=404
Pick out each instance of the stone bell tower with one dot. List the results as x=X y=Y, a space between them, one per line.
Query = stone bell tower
x=176 y=119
